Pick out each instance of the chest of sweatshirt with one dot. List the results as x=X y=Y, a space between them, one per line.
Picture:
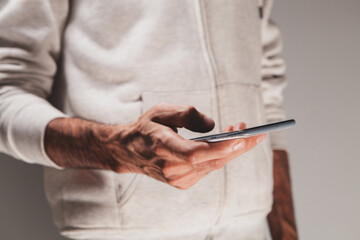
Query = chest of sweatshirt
x=173 y=45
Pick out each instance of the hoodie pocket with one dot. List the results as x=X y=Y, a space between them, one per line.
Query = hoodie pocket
x=157 y=205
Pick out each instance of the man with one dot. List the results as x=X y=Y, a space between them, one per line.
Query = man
x=128 y=75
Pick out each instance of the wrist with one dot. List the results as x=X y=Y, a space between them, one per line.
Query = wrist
x=282 y=216
x=280 y=154
x=79 y=143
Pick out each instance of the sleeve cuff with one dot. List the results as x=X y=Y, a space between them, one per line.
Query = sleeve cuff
x=27 y=131
x=278 y=140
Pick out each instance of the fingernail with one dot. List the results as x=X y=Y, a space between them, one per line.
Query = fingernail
x=260 y=139
x=238 y=146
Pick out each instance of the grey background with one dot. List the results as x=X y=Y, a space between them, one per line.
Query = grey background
x=322 y=52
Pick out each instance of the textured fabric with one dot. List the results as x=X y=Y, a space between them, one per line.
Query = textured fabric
x=110 y=62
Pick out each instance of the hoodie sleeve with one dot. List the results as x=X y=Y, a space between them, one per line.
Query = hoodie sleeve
x=30 y=40
x=273 y=75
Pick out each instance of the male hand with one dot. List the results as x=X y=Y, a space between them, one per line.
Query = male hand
x=151 y=146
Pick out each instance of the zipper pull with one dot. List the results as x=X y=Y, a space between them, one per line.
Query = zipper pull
x=260 y=6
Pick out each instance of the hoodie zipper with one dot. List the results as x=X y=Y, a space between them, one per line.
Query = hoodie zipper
x=212 y=68
x=261 y=8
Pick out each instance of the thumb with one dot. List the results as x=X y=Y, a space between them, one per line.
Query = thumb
x=182 y=116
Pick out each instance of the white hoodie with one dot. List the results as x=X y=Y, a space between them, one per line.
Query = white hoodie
x=110 y=61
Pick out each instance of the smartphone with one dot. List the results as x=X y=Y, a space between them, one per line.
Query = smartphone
x=248 y=132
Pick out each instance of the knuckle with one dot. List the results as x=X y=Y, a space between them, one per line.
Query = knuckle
x=204 y=172
x=219 y=166
x=202 y=165
x=173 y=184
x=189 y=157
x=191 y=153
x=215 y=164
x=167 y=170
x=191 y=110
x=165 y=135
x=158 y=150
